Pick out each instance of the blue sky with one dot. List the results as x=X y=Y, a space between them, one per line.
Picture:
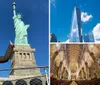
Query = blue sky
x=61 y=12
x=35 y=13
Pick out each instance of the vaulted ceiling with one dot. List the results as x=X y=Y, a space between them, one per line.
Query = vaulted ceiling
x=75 y=61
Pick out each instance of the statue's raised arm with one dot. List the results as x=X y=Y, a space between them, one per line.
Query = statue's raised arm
x=20 y=28
x=14 y=9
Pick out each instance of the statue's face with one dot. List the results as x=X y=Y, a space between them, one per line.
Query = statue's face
x=19 y=16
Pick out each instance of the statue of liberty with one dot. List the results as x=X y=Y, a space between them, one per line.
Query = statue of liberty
x=20 y=28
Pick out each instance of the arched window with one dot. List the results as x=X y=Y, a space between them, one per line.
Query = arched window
x=7 y=83
x=35 y=81
x=21 y=82
x=24 y=55
x=28 y=55
x=20 y=55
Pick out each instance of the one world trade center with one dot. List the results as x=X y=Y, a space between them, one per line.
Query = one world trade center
x=76 y=30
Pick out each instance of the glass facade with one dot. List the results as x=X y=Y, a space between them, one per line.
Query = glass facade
x=89 y=37
x=76 y=33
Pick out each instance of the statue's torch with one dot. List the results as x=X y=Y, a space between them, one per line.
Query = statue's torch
x=14 y=8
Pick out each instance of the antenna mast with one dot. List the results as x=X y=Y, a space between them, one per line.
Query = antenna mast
x=76 y=3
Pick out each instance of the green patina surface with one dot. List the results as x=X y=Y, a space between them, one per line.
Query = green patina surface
x=20 y=29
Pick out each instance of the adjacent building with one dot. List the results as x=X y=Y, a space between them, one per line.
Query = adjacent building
x=89 y=37
x=53 y=38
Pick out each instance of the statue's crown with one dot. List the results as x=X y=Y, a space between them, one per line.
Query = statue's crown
x=19 y=15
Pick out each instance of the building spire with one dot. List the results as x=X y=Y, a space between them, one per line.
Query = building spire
x=76 y=3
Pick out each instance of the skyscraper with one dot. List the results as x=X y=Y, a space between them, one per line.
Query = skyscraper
x=76 y=30
x=89 y=37
x=53 y=38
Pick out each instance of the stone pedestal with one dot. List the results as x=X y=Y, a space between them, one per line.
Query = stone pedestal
x=23 y=56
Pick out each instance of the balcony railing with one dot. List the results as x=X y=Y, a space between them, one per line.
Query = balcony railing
x=33 y=81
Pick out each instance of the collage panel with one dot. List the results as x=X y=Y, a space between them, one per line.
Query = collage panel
x=74 y=21
x=24 y=46
x=74 y=64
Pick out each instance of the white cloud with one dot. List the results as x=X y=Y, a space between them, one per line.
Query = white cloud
x=96 y=32
x=85 y=17
x=53 y=3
